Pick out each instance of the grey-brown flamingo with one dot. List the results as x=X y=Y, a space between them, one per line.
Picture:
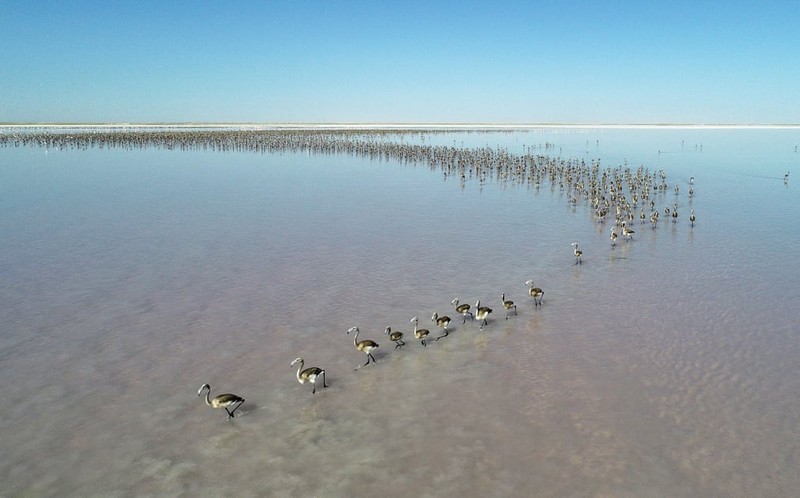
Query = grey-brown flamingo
x=366 y=346
x=508 y=305
x=535 y=292
x=463 y=309
x=310 y=374
x=396 y=337
x=221 y=401
x=482 y=313
x=441 y=322
x=420 y=334
x=578 y=253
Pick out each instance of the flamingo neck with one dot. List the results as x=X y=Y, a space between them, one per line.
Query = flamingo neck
x=299 y=368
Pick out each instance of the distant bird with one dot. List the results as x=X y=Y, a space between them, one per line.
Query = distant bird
x=482 y=313
x=221 y=401
x=310 y=374
x=675 y=213
x=535 y=292
x=614 y=236
x=578 y=253
x=366 y=346
x=463 y=309
x=397 y=337
x=692 y=217
x=786 y=177
x=627 y=232
x=442 y=322
x=420 y=334
x=508 y=305
x=654 y=218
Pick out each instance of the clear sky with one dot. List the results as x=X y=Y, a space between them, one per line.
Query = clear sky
x=626 y=61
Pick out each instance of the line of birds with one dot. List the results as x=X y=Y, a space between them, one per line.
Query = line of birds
x=311 y=375
x=618 y=193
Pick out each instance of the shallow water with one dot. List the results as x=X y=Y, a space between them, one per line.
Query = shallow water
x=667 y=366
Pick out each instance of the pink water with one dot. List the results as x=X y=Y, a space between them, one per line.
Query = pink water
x=667 y=366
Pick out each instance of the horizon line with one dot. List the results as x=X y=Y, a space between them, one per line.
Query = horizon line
x=366 y=125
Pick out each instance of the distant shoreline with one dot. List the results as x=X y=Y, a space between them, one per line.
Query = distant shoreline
x=400 y=126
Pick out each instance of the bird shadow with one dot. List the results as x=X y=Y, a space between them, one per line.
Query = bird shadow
x=246 y=409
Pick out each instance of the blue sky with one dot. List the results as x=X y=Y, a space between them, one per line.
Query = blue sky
x=418 y=61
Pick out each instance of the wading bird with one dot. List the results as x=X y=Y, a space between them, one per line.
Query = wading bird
x=463 y=309
x=397 y=337
x=578 y=253
x=221 y=401
x=310 y=374
x=508 y=305
x=420 y=334
x=627 y=232
x=366 y=346
x=535 y=292
x=482 y=313
x=442 y=322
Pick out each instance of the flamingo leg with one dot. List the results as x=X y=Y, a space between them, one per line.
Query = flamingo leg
x=234 y=410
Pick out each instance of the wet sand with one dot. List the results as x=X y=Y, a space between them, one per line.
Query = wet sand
x=663 y=367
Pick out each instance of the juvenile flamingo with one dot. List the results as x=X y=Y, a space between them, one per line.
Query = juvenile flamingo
x=221 y=401
x=535 y=292
x=310 y=374
x=420 y=334
x=397 y=337
x=578 y=253
x=463 y=309
x=482 y=313
x=442 y=322
x=508 y=305
x=366 y=346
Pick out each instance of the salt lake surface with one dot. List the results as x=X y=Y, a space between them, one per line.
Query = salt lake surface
x=666 y=366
